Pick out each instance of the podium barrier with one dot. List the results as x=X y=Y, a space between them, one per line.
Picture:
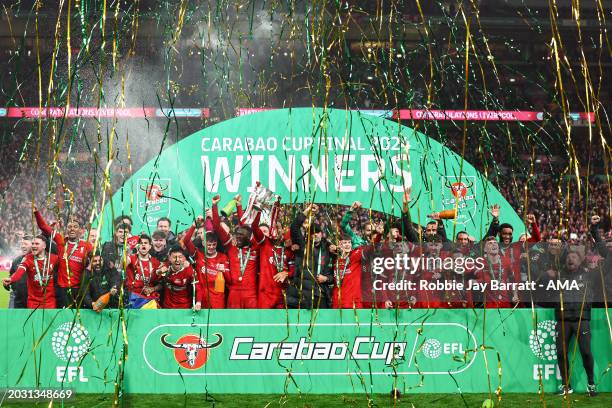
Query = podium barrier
x=277 y=351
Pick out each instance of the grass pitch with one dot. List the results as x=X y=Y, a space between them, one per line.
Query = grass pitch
x=328 y=401
x=4 y=294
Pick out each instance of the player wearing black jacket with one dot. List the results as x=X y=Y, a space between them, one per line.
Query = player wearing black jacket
x=308 y=288
x=97 y=280
x=19 y=293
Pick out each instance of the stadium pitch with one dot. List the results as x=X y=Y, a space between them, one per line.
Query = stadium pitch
x=328 y=401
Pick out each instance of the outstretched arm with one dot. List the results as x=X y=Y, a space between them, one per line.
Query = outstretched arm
x=535 y=229
x=441 y=231
x=494 y=227
x=257 y=232
x=345 y=225
x=21 y=269
x=239 y=211
x=188 y=242
x=297 y=237
x=223 y=234
x=47 y=230
x=408 y=231
x=42 y=224
x=599 y=242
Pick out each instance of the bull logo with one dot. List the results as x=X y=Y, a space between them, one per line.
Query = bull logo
x=459 y=189
x=154 y=192
x=191 y=351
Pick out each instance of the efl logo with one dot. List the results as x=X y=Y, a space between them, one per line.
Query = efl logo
x=191 y=351
x=542 y=342
x=433 y=348
x=70 y=342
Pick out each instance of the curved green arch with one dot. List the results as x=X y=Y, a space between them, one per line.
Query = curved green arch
x=290 y=151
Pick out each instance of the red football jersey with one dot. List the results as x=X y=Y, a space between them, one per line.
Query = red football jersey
x=501 y=271
x=40 y=281
x=140 y=273
x=347 y=281
x=272 y=260
x=69 y=273
x=72 y=264
x=207 y=275
x=511 y=256
x=207 y=269
x=178 y=289
x=243 y=262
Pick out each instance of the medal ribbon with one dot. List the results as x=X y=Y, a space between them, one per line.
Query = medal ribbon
x=246 y=261
x=279 y=265
x=340 y=278
x=499 y=276
x=145 y=278
x=39 y=275
x=67 y=258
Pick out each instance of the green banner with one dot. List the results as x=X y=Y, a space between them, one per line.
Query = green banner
x=327 y=156
x=268 y=351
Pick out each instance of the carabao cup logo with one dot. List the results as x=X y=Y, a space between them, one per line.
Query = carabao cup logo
x=190 y=351
x=153 y=199
x=460 y=193
x=542 y=340
x=70 y=342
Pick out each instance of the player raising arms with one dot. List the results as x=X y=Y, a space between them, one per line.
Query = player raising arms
x=212 y=269
x=39 y=265
x=273 y=264
x=347 y=275
x=73 y=261
x=243 y=262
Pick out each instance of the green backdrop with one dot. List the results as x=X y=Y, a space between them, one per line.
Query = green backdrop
x=328 y=156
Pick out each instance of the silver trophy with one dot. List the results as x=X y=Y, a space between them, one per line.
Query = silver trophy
x=261 y=199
